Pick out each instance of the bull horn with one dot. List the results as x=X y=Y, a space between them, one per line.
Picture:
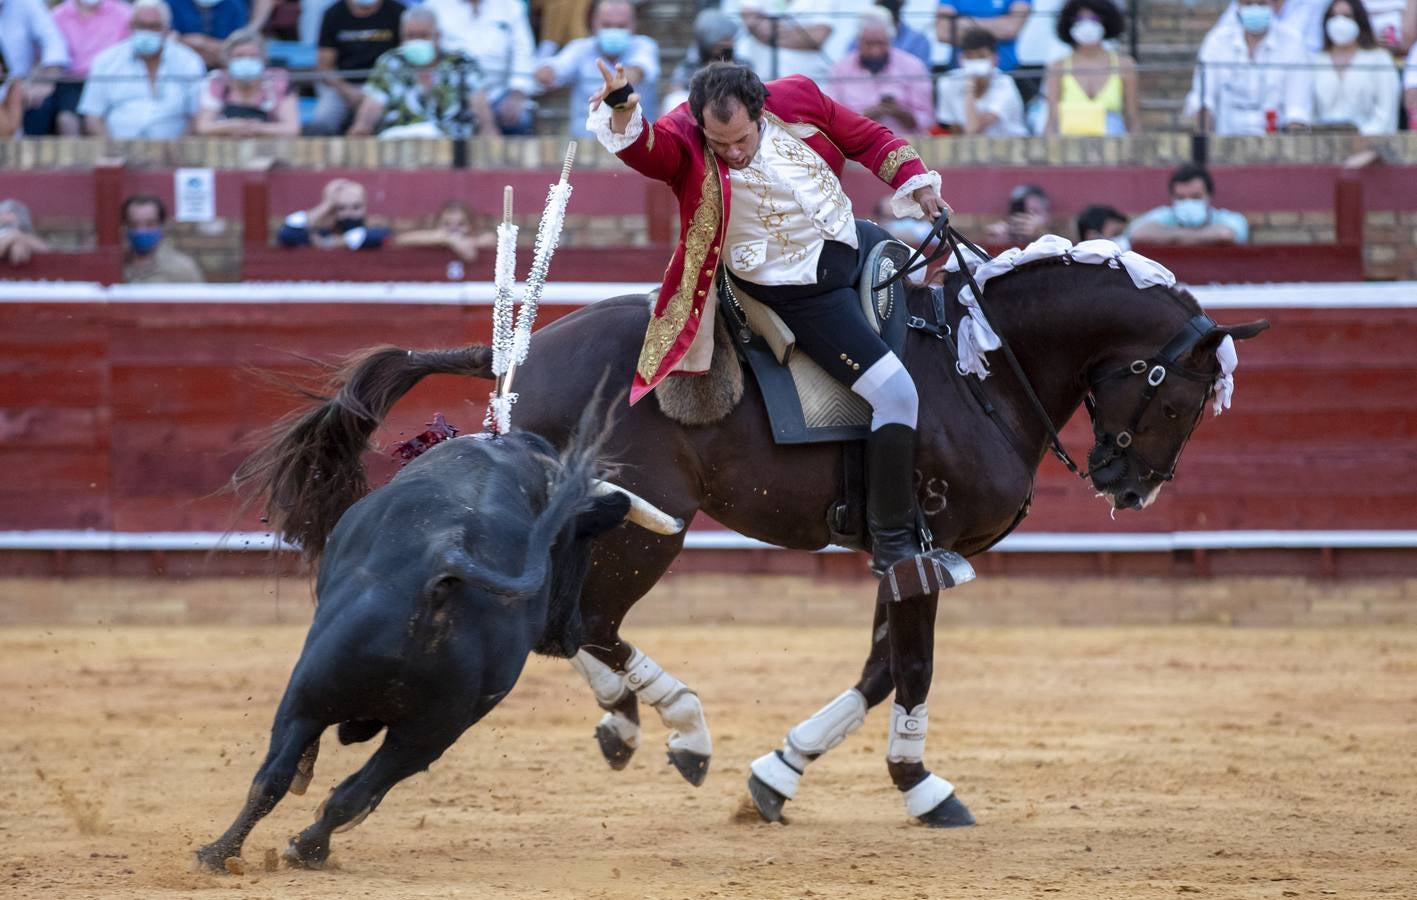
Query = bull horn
x=642 y=512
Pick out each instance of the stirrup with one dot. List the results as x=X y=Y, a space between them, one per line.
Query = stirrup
x=931 y=571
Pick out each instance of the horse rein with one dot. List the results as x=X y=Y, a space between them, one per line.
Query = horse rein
x=1107 y=449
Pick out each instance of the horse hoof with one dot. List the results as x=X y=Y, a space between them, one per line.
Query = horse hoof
x=949 y=814
x=613 y=747
x=212 y=859
x=768 y=801
x=297 y=860
x=693 y=766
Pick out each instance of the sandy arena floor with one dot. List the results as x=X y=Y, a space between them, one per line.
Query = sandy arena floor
x=1101 y=763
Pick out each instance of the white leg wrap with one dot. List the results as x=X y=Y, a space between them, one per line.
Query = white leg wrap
x=773 y=771
x=608 y=685
x=927 y=795
x=907 y=737
x=678 y=707
x=829 y=726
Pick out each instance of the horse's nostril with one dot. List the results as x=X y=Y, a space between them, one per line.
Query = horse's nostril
x=1131 y=500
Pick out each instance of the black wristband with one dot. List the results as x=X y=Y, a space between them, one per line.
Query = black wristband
x=616 y=98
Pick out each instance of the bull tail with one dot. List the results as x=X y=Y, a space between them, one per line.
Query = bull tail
x=308 y=468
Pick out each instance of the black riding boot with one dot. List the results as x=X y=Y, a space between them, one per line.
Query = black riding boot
x=890 y=495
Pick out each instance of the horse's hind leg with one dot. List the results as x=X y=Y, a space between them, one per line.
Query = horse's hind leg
x=291 y=743
x=358 y=795
x=775 y=777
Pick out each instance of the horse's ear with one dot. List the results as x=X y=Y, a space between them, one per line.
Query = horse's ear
x=1246 y=331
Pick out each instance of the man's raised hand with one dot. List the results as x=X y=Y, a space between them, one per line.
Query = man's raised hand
x=614 y=80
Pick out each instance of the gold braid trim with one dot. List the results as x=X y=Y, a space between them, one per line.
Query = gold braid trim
x=894 y=160
x=665 y=329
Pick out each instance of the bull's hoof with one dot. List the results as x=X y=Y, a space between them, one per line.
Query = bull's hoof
x=693 y=766
x=306 y=855
x=213 y=858
x=949 y=814
x=613 y=747
x=768 y=801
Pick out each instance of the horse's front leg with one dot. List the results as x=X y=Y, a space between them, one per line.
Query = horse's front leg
x=928 y=797
x=775 y=777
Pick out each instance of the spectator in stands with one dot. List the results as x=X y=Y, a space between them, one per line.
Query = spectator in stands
x=558 y=22
x=337 y=221
x=1388 y=21
x=34 y=51
x=204 y=24
x=146 y=86
x=246 y=99
x=497 y=34
x=1190 y=218
x=420 y=90
x=977 y=98
x=614 y=40
x=18 y=242
x=881 y=82
x=907 y=39
x=1356 y=83
x=1305 y=17
x=150 y=259
x=1029 y=210
x=89 y=27
x=1254 y=78
x=452 y=229
x=1101 y=223
x=1092 y=90
x=715 y=33
x=810 y=35
x=1409 y=84
x=1001 y=18
x=353 y=35
x=12 y=102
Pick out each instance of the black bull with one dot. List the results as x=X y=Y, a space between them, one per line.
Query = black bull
x=1071 y=326
x=432 y=591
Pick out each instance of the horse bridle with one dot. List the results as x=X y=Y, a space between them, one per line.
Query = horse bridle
x=1107 y=450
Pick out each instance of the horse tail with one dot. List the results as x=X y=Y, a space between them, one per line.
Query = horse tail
x=308 y=467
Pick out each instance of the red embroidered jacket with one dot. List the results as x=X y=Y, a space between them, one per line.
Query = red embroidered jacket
x=673 y=151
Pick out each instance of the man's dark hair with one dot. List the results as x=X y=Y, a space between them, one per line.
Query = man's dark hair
x=1095 y=218
x=1105 y=10
x=717 y=85
x=978 y=39
x=1190 y=172
x=143 y=200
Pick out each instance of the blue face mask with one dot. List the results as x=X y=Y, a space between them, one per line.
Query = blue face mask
x=1191 y=212
x=1256 y=19
x=144 y=240
x=146 y=43
x=613 y=41
x=419 y=52
x=246 y=68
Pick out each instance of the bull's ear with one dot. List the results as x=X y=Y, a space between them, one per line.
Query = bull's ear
x=603 y=514
x=1246 y=331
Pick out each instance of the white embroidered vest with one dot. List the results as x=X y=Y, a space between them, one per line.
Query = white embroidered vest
x=784 y=205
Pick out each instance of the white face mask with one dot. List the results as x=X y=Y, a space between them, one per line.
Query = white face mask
x=1341 y=30
x=977 y=68
x=1087 y=32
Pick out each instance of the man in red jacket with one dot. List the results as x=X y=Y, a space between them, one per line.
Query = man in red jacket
x=756 y=169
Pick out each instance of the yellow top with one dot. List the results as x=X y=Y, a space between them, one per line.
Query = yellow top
x=1081 y=114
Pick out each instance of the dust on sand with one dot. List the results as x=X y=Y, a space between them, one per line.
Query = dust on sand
x=1142 y=762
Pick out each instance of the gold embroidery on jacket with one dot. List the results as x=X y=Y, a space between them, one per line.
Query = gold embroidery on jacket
x=894 y=160
x=664 y=330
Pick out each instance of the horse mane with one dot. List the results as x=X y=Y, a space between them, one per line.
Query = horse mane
x=1178 y=293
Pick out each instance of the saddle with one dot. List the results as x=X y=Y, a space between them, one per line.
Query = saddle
x=806 y=405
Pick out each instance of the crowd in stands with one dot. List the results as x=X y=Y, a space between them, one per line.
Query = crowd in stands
x=454 y=68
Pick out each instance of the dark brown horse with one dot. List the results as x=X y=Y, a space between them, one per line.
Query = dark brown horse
x=1078 y=331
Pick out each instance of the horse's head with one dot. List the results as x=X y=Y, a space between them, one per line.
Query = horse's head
x=1145 y=407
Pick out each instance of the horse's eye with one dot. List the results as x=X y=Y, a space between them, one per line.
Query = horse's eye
x=1171 y=412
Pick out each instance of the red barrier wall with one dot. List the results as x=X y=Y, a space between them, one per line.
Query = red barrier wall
x=131 y=416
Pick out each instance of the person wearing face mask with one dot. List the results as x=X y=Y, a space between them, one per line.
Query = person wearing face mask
x=880 y=82
x=977 y=98
x=149 y=258
x=1093 y=90
x=337 y=222
x=496 y=33
x=1189 y=218
x=204 y=24
x=89 y=27
x=1253 y=77
x=422 y=90
x=1356 y=83
x=145 y=87
x=1304 y=17
x=613 y=39
x=715 y=33
x=247 y=99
